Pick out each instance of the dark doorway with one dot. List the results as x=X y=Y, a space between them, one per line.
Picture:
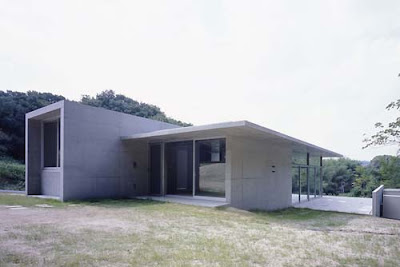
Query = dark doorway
x=155 y=169
x=179 y=162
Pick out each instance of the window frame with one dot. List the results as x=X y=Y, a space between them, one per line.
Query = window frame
x=58 y=138
x=222 y=154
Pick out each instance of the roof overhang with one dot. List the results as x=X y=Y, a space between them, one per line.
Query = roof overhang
x=243 y=129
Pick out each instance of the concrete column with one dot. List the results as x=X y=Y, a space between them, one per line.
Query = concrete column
x=194 y=169
x=315 y=182
x=308 y=180
x=228 y=169
x=321 y=178
x=163 y=178
x=299 y=184
x=62 y=153
x=377 y=198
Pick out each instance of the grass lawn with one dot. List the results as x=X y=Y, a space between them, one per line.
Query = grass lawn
x=147 y=233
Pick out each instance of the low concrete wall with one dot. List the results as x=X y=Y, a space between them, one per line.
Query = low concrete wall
x=377 y=198
x=50 y=182
x=391 y=203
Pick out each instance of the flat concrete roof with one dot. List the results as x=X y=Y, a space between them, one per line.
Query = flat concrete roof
x=237 y=128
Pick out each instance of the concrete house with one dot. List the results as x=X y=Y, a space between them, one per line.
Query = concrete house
x=74 y=151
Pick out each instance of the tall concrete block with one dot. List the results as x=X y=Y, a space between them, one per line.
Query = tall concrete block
x=97 y=163
x=260 y=174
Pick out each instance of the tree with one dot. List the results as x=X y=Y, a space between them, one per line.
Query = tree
x=13 y=106
x=381 y=170
x=387 y=134
x=109 y=100
x=339 y=175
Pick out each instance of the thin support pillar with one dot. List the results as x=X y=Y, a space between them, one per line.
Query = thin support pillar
x=163 y=178
x=315 y=182
x=308 y=180
x=299 y=170
x=194 y=168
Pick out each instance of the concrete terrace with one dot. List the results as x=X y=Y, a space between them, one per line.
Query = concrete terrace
x=356 y=205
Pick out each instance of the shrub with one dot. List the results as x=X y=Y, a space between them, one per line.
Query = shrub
x=12 y=175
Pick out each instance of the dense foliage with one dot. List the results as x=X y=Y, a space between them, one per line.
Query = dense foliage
x=12 y=175
x=356 y=179
x=339 y=175
x=109 y=100
x=13 y=106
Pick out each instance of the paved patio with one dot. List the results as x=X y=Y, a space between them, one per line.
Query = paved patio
x=328 y=203
x=341 y=204
x=188 y=200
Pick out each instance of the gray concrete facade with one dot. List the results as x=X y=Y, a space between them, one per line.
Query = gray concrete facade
x=105 y=154
x=391 y=204
x=386 y=203
x=94 y=162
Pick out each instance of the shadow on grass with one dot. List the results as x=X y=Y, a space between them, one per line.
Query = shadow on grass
x=9 y=199
x=118 y=203
x=18 y=199
x=307 y=218
x=295 y=214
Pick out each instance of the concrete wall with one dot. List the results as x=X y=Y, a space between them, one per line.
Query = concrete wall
x=40 y=181
x=391 y=204
x=97 y=164
x=51 y=182
x=134 y=169
x=377 y=198
x=32 y=157
x=251 y=180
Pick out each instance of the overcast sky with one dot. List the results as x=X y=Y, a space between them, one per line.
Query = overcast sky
x=321 y=71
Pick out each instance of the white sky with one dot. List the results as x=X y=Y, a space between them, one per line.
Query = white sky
x=321 y=71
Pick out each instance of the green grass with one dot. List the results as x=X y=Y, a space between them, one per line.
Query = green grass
x=12 y=175
x=20 y=199
x=148 y=233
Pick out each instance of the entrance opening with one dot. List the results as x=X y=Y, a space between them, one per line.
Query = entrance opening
x=179 y=167
x=306 y=177
x=155 y=169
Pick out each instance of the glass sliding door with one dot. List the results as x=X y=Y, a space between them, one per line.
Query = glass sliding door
x=210 y=167
x=295 y=184
x=179 y=167
x=303 y=184
x=155 y=169
x=311 y=181
x=318 y=182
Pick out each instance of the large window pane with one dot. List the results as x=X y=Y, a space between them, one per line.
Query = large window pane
x=314 y=160
x=303 y=184
x=210 y=167
x=295 y=185
x=299 y=158
x=311 y=180
x=51 y=145
x=318 y=181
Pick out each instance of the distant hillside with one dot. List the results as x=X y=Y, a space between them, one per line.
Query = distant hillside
x=109 y=100
x=14 y=105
